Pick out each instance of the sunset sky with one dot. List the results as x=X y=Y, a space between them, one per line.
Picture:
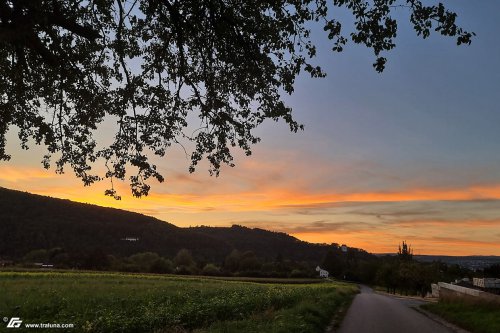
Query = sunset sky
x=410 y=154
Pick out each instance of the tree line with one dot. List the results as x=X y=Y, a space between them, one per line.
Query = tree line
x=236 y=263
x=399 y=273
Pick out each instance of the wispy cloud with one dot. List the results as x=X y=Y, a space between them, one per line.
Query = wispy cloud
x=310 y=226
x=12 y=174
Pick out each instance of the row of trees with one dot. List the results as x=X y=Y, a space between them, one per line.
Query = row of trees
x=236 y=263
x=398 y=274
x=492 y=271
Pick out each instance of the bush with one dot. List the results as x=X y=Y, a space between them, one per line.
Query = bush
x=162 y=266
x=211 y=269
x=297 y=273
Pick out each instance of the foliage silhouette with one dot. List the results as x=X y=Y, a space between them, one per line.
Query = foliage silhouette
x=405 y=252
x=154 y=65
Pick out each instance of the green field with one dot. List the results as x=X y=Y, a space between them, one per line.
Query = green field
x=476 y=318
x=107 y=302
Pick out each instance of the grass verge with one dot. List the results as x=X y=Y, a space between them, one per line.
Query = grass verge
x=476 y=318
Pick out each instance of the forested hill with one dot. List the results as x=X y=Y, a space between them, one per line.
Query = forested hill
x=264 y=243
x=29 y=222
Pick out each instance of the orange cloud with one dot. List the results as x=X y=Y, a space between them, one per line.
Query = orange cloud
x=271 y=199
x=472 y=224
x=451 y=237
x=387 y=242
x=14 y=175
x=227 y=198
x=460 y=194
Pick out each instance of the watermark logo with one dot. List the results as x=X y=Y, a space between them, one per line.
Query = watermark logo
x=15 y=322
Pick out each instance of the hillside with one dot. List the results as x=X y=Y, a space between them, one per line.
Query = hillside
x=30 y=222
x=264 y=243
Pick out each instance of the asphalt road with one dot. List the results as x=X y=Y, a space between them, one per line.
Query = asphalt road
x=374 y=313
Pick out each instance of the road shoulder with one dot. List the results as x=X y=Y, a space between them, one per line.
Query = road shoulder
x=426 y=313
x=440 y=320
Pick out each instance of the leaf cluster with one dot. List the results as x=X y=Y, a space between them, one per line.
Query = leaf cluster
x=150 y=65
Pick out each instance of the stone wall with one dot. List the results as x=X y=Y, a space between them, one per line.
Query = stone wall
x=452 y=292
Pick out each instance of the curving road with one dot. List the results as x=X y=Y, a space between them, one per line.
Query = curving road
x=375 y=313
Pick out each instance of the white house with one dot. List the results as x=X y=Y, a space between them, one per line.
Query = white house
x=130 y=239
x=322 y=272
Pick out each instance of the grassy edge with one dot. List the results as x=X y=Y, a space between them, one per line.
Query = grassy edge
x=307 y=316
x=476 y=318
x=339 y=315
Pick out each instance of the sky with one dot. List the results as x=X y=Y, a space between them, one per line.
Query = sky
x=410 y=154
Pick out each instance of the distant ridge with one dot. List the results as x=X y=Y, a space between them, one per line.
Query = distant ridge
x=474 y=262
x=30 y=222
x=471 y=262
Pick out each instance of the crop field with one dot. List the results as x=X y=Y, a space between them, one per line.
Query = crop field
x=112 y=302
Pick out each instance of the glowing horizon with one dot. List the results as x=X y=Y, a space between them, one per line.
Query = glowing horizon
x=375 y=222
x=410 y=154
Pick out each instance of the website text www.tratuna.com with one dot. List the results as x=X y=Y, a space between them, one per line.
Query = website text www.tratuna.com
x=16 y=322
x=49 y=325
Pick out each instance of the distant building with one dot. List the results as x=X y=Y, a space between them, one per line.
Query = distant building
x=42 y=265
x=488 y=283
x=131 y=239
x=322 y=272
x=344 y=248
